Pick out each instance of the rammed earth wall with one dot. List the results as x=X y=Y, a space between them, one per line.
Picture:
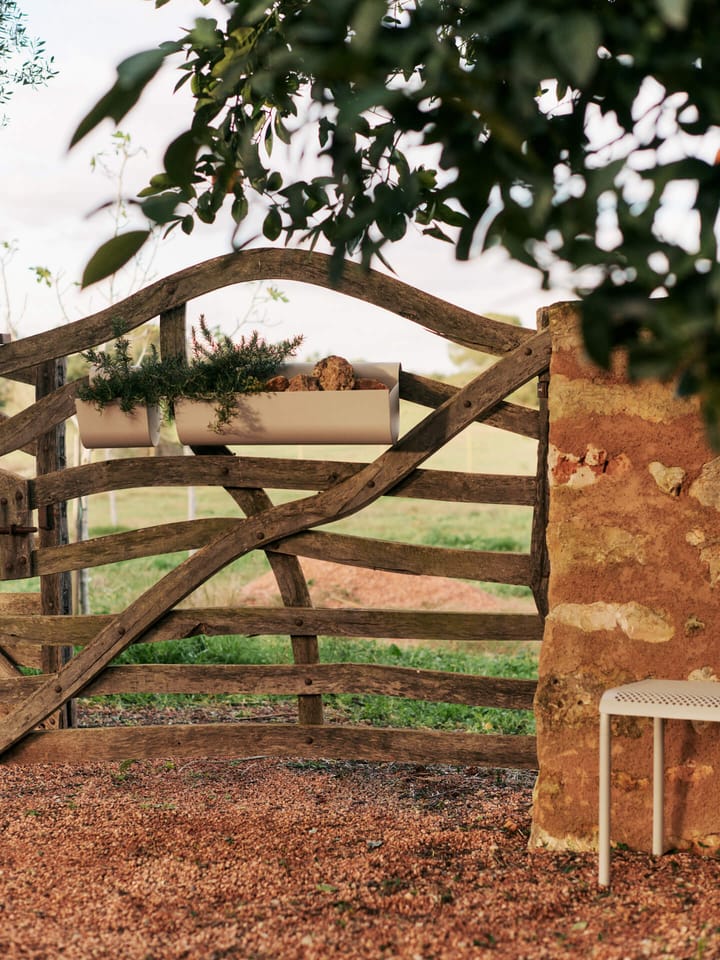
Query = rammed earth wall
x=634 y=542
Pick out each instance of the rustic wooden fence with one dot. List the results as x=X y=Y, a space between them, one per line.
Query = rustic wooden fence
x=75 y=653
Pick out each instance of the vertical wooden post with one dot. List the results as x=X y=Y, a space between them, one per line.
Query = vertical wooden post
x=55 y=588
x=540 y=560
x=172 y=332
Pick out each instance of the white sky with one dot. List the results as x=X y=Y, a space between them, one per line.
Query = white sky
x=47 y=194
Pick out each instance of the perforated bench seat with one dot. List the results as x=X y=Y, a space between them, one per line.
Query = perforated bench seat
x=662 y=700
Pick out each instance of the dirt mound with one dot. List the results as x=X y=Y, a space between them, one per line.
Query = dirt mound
x=338 y=585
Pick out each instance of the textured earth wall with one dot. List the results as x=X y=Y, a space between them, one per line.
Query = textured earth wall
x=634 y=542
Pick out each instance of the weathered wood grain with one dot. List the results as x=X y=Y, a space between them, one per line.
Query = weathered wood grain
x=173 y=337
x=25 y=427
x=297 y=679
x=55 y=588
x=451 y=322
x=299 y=621
x=480 y=565
x=16 y=542
x=277 y=740
x=540 y=574
x=283 y=520
x=280 y=474
x=504 y=415
x=29 y=448
x=410 y=558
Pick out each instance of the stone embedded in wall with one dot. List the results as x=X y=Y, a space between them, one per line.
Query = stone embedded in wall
x=582 y=470
x=668 y=479
x=709 y=552
x=636 y=621
x=573 y=545
x=653 y=402
x=706 y=489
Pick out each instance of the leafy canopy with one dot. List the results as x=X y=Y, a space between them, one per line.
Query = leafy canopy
x=22 y=59
x=563 y=132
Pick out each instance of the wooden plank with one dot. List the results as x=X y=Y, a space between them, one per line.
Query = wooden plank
x=24 y=654
x=17 y=522
x=299 y=621
x=20 y=603
x=25 y=427
x=131 y=544
x=451 y=322
x=410 y=558
x=29 y=448
x=480 y=565
x=277 y=740
x=504 y=415
x=173 y=339
x=281 y=521
x=281 y=474
x=296 y=679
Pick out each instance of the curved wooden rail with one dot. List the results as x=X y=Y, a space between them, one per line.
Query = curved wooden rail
x=451 y=322
x=396 y=557
x=278 y=474
x=344 y=499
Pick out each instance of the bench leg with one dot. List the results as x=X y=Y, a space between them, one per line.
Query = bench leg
x=604 y=803
x=658 y=785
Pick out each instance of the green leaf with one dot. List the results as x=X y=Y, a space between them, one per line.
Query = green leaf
x=574 y=40
x=112 y=255
x=180 y=157
x=161 y=208
x=134 y=74
x=272 y=227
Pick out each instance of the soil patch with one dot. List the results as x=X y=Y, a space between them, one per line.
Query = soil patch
x=267 y=859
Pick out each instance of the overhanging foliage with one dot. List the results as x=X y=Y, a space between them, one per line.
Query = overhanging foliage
x=559 y=132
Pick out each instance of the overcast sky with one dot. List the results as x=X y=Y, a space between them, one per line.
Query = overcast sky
x=48 y=193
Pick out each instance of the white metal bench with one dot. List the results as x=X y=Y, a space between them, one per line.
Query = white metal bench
x=662 y=700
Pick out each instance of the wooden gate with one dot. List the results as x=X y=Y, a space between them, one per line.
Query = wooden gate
x=41 y=632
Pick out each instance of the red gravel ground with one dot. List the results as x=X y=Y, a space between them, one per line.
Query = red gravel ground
x=259 y=858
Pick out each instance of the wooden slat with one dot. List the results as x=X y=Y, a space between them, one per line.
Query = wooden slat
x=300 y=621
x=344 y=499
x=281 y=474
x=20 y=603
x=410 y=558
x=504 y=415
x=173 y=337
x=25 y=427
x=29 y=448
x=277 y=740
x=480 y=565
x=131 y=544
x=28 y=605
x=451 y=322
x=297 y=679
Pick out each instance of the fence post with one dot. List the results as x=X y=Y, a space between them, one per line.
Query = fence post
x=55 y=588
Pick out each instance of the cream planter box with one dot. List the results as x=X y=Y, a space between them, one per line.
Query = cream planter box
x=113 y=427
x=326 y=416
